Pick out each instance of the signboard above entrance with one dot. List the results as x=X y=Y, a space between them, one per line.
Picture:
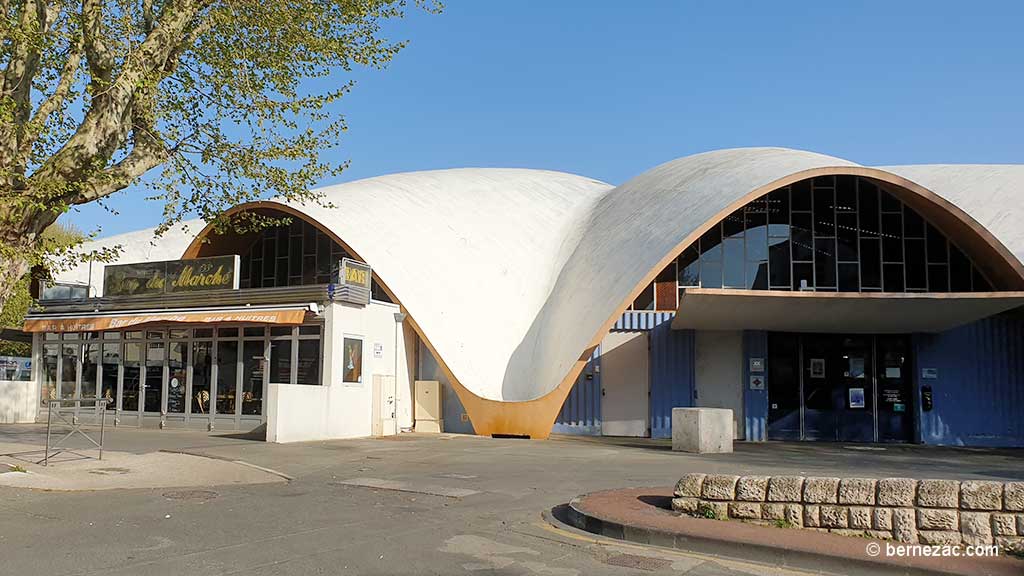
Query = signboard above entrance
x=171 y=276
x=354 y=282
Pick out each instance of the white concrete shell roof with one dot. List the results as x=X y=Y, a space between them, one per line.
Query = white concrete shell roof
x=511 y=274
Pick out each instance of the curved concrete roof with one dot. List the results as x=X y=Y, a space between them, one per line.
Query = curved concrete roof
x=512 y=274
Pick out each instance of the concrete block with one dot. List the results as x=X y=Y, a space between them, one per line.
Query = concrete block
x=785 y=488
x=1004 y=525
x=752 y=488
x=860 y=517
x=939 y=537
x=702 y=430
x=771 y=511
x=1020 y=524
x=896 y=492
x=879 y=534
x=937 y=519
x=857 y=491
x=821 y=490
x=795 y=514
x=720 y=509
x=938 y=493
x=981 y=495
x=834 y=516
x=904 y=525
x=685 y=505
x=976 y=528
x=719 y=487
x=1013 y=497
x=745 y=510
x=812 y=516
x=881 y=518
x=690 y=485
x=1007 y=544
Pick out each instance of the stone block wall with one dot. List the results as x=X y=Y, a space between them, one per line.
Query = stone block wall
x=902 y=509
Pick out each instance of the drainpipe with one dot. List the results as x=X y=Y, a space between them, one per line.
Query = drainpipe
x=399 y=319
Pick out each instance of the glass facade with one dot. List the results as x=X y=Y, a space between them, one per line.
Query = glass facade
x=294 y=255
x=181 y=374
x=831 y=233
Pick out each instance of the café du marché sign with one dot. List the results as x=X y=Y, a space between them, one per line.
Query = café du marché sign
x=171 y=276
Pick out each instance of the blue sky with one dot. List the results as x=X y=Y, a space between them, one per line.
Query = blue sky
x=610 y=89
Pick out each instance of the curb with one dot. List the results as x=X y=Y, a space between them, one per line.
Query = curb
x=223 y=459
x=815 y=552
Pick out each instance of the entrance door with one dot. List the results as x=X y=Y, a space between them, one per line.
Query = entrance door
x=895 y=423
x=624 y=380
x=852 y=388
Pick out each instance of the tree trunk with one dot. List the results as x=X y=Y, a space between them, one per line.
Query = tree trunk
x=20 y=231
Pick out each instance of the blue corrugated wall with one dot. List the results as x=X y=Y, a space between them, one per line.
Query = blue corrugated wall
x=755 y=402
x=581 y=412
x=671 y=375
x=979 y=389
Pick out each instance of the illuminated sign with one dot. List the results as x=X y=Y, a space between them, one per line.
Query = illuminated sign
x=171 y=276
x=355 y=274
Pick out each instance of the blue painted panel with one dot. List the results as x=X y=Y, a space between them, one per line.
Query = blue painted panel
x=454 y=411
x=581 y=412
x=755 y=402
x=978 y=390
x=671 y=376
x=633 y=321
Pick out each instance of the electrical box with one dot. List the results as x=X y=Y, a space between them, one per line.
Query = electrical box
x=384 y=417
x=428 y=412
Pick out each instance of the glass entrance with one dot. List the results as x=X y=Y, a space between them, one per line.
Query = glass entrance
x=845 y=388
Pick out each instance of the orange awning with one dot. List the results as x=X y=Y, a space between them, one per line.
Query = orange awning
x=118 y=321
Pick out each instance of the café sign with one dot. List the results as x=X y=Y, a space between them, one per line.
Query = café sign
x=171 y=276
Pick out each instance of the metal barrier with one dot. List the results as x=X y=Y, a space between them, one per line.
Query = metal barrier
x=55 y=407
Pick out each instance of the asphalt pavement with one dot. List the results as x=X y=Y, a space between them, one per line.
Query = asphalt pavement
x=413 y=504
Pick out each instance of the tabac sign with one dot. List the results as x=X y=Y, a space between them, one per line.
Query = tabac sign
x=354 y=282
x=171 y=276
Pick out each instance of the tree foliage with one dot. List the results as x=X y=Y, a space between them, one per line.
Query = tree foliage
x=216 y=102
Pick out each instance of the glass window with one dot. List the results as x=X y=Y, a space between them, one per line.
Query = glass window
x=133 y=335
x=227 y=376
x=203 y=333
x=202 y=373
x=710 y=274
x=711 y=244
x=109 y=365
x=803 y=276
x=645 y=301
x=280 y=330
x=892 y=277
x=870 y=263
x=801 y=195
x=308 y=369
x=250 y=331
x=848 y=277
x=227 y=332
x=352 y=360
x=154 y=376
x=732 y=226
x=111 y=335
x=846 y=194
x=757 y=243
x=915 y=265
x=779 y=263
x=959 y=270
x=778 y=208
x=154 y=334
x=51 y=336
x=734 y=263
x=179 y=333
x=309 y=330
x=824 y=213
x=867 y=197
x=892 y=238
x=132 y=376
x=689 y=268
x=803 y=238
x=253 y=362
x=913 y=224
x=90 y=370
x=68 y=370
x=177 y=360
x=824 y=262
x=937 y=249
x=938 y=278
x=50 y=363
x=280 y=361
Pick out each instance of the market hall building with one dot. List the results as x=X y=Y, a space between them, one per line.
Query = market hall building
x=818 y=299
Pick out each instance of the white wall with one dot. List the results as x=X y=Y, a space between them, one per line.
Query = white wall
x=719 y=373
x=338 y=409
x=625 y=379
x=18 y=402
